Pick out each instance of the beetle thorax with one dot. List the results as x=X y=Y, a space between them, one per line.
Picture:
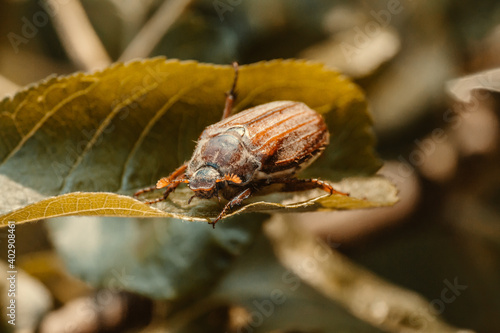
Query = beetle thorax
x=222 y=154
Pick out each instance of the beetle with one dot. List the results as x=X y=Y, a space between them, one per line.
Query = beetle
x=245 y=152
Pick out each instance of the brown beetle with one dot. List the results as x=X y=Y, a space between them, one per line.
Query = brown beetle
x=241 y=154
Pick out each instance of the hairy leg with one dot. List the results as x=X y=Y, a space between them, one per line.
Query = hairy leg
x=237 y=200
x=294 y=184
x=177 y=174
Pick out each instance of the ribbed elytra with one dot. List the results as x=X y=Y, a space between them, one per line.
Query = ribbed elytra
x=255 y=148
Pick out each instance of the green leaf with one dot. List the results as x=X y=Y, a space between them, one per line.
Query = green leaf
x=125 y=127
x=285 y=302
x=159 y=258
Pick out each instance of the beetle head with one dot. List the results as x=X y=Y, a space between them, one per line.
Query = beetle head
x=206 y=182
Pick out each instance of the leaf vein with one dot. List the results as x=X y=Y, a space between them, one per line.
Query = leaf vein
x=42 y=121
x=104 y=124
x=157 y=116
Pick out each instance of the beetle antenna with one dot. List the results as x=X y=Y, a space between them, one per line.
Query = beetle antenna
x=164 y=182
x=190 y=199
x=230 y=177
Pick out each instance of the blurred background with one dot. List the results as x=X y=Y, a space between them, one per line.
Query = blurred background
x=430 y=72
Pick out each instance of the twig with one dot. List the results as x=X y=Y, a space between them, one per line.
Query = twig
x=152 y=32
x=388 y=307
x=77 y=35
x=7 y=87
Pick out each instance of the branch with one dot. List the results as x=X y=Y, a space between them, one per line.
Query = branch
x=152 y=32
x=388 y=307
x=7 y=87
x=77 y=35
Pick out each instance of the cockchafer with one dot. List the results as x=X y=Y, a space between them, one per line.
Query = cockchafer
x=255 y=148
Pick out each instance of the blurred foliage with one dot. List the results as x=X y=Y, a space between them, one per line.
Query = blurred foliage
x=444 y=153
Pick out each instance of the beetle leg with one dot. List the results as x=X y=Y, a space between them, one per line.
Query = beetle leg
x=294 y=184
x=231 y=95
x=178 y=173
x=233 y=202
x=144 y=190
x=165 y=195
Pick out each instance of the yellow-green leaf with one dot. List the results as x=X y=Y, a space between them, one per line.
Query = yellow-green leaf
x=125 y=127
x=366 y=193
